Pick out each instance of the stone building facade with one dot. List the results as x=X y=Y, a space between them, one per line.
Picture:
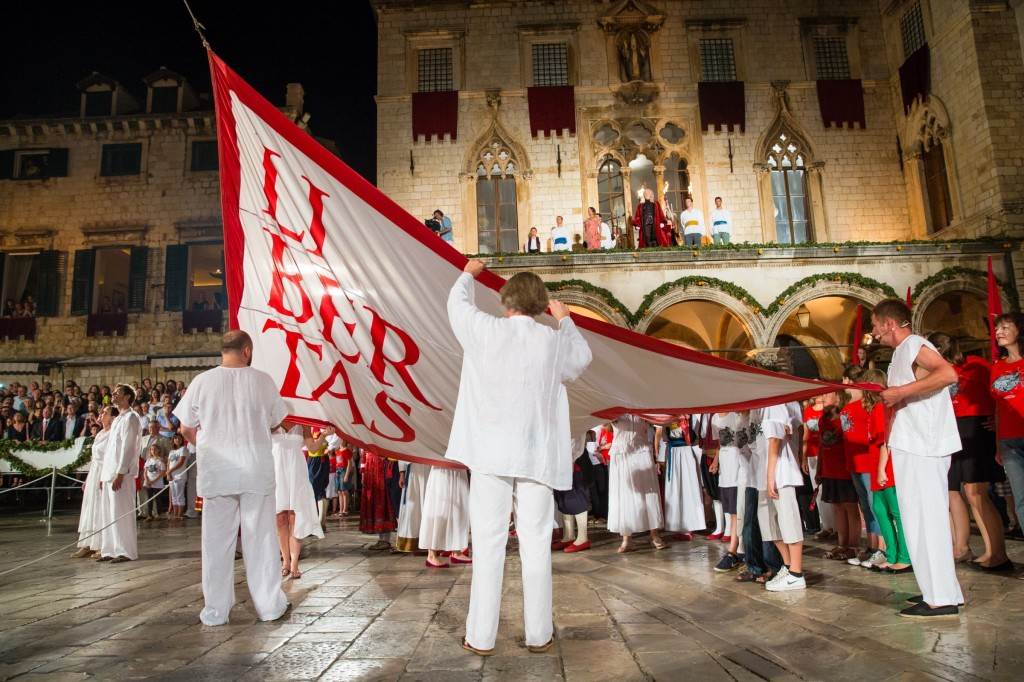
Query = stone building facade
x=936 y=155
x=110 y=219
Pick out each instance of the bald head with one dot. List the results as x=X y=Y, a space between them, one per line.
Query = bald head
x=236 y=349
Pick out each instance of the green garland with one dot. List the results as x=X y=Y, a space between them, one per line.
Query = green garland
x=737 y=292
x=593 y=290
x=1004 y=242
x=841 y=277
x=958 y=271
x=7 y=446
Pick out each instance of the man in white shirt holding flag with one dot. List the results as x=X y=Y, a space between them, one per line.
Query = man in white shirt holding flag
x=511 y=428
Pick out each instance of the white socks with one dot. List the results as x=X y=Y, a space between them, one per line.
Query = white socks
x=719 y=517
x=581 y=528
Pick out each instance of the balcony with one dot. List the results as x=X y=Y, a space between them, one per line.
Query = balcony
x=193 y=321
x=18 y=328
x=106 y=324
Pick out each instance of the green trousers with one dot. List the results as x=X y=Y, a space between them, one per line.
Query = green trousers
x=887 y=511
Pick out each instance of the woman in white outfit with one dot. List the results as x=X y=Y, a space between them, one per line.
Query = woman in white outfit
x=634 y=502
x=297 y=515
x=91 y=518
x=684 y=505
x=444 y=522
x=413 y=479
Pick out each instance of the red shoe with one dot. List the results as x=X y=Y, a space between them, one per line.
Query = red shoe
x=456 y=560
x=430 y=565
x=558 y=545
x=683 y=537
x=577 y=548
x=715 y=536
x=726 y=538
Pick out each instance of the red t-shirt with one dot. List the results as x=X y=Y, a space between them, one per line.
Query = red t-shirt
x=971 y=396
x=862 y=433
x=604 y=444
x=1009 y=398
x=811 y=418
x=342 y=458
x=831 y=458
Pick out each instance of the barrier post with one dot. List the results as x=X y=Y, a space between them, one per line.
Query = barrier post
x=53 y=492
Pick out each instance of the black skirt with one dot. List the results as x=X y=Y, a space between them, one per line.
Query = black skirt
x=838 y=491
x=976 y=463
x=576 y=500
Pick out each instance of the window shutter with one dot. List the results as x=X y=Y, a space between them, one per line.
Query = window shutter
x=81 y=283
x=57 y=163
x=176 y=277
x=6 y=164
x=3 y=302
x=48 y=283
x=137 y=272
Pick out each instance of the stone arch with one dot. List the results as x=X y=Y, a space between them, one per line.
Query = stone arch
x=595 y=299
x=735 y=300
x=926 y=124
x=865 y=290
x=950 y=281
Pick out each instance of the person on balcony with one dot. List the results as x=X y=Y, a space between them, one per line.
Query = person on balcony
x=560 y=236
x=651 y=221
x=721 y=223
x=692 y=222
x=533 y=242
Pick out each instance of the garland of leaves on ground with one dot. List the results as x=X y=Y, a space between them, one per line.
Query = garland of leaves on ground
x=750 y=246
x=958 y=271
x=8 y=446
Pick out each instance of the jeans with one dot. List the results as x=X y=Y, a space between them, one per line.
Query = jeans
x=862 y=484
x=692 y=239
x=1013 y=463
x=722 y=237
x=761 y=557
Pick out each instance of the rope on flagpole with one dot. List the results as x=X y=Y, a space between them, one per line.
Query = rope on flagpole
x=86 y=537
x=198 y=27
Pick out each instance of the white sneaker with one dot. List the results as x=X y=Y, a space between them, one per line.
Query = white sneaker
x=877 y=558
x=786 y=584
x=854 y=560
x=781 y=575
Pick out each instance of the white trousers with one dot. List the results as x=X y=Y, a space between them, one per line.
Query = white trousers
x=190 y=503
x=121 y=538
x=491 y=499
x=923 y=496
x=222 y=517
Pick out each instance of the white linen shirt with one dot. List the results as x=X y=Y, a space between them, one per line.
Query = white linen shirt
x=692 y=221
x=721 y=221
x=234 y=409
x=926 y=425
x=512 y=414
x=122 y=453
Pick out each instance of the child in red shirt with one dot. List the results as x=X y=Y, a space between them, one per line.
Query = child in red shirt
x=863 y=420
x=883 y=486
x=836 y=485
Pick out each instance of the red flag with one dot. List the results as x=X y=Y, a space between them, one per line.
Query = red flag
x=858 y=333
x=344 y=295
x=995 y=309
x=910 y=300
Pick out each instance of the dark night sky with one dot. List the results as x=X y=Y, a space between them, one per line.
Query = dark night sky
x=329 y=47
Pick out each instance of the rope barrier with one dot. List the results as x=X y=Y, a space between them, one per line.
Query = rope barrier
x=11 y=490
x=94 y=533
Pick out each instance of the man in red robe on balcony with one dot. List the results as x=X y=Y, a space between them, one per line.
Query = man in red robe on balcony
x=651 y=221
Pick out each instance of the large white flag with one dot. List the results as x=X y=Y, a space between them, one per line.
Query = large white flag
x=344 y=295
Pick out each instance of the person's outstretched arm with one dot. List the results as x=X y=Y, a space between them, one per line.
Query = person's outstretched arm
x=573 y=349
x=467 y=321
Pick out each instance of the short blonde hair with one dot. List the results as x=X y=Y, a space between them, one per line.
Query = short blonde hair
x=525 y=293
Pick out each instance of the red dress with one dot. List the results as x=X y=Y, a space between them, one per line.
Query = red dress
x=376 y=514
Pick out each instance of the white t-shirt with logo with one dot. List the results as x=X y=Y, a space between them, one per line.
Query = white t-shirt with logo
x=155 y=470
x=926 y=425
x=730 y=430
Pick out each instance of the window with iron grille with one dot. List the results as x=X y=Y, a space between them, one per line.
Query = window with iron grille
x=912 y=29
x=717 y=61
x=830 y=58
x=435 y=69
x=550 y=64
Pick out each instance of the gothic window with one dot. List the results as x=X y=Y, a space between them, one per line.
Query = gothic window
x=830 y=58
x=912 y=29
x=936 y=188
x=611 y=193
x=435 y=70
x=717 y=60
x=677 y=183
x=496 y=208
x=550 y=64
x=788 y=172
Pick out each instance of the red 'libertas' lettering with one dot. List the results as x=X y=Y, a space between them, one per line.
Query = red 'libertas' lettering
x=339 y=371
x=280 y=274
x=270 y=192
x=329 y=313
x=408 y=433
x=411 y=354
x=316 y=203
x=290 y=385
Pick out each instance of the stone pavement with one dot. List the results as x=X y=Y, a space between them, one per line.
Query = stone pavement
x=361 y=615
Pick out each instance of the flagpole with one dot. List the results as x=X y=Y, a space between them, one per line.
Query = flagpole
x=197 y=26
